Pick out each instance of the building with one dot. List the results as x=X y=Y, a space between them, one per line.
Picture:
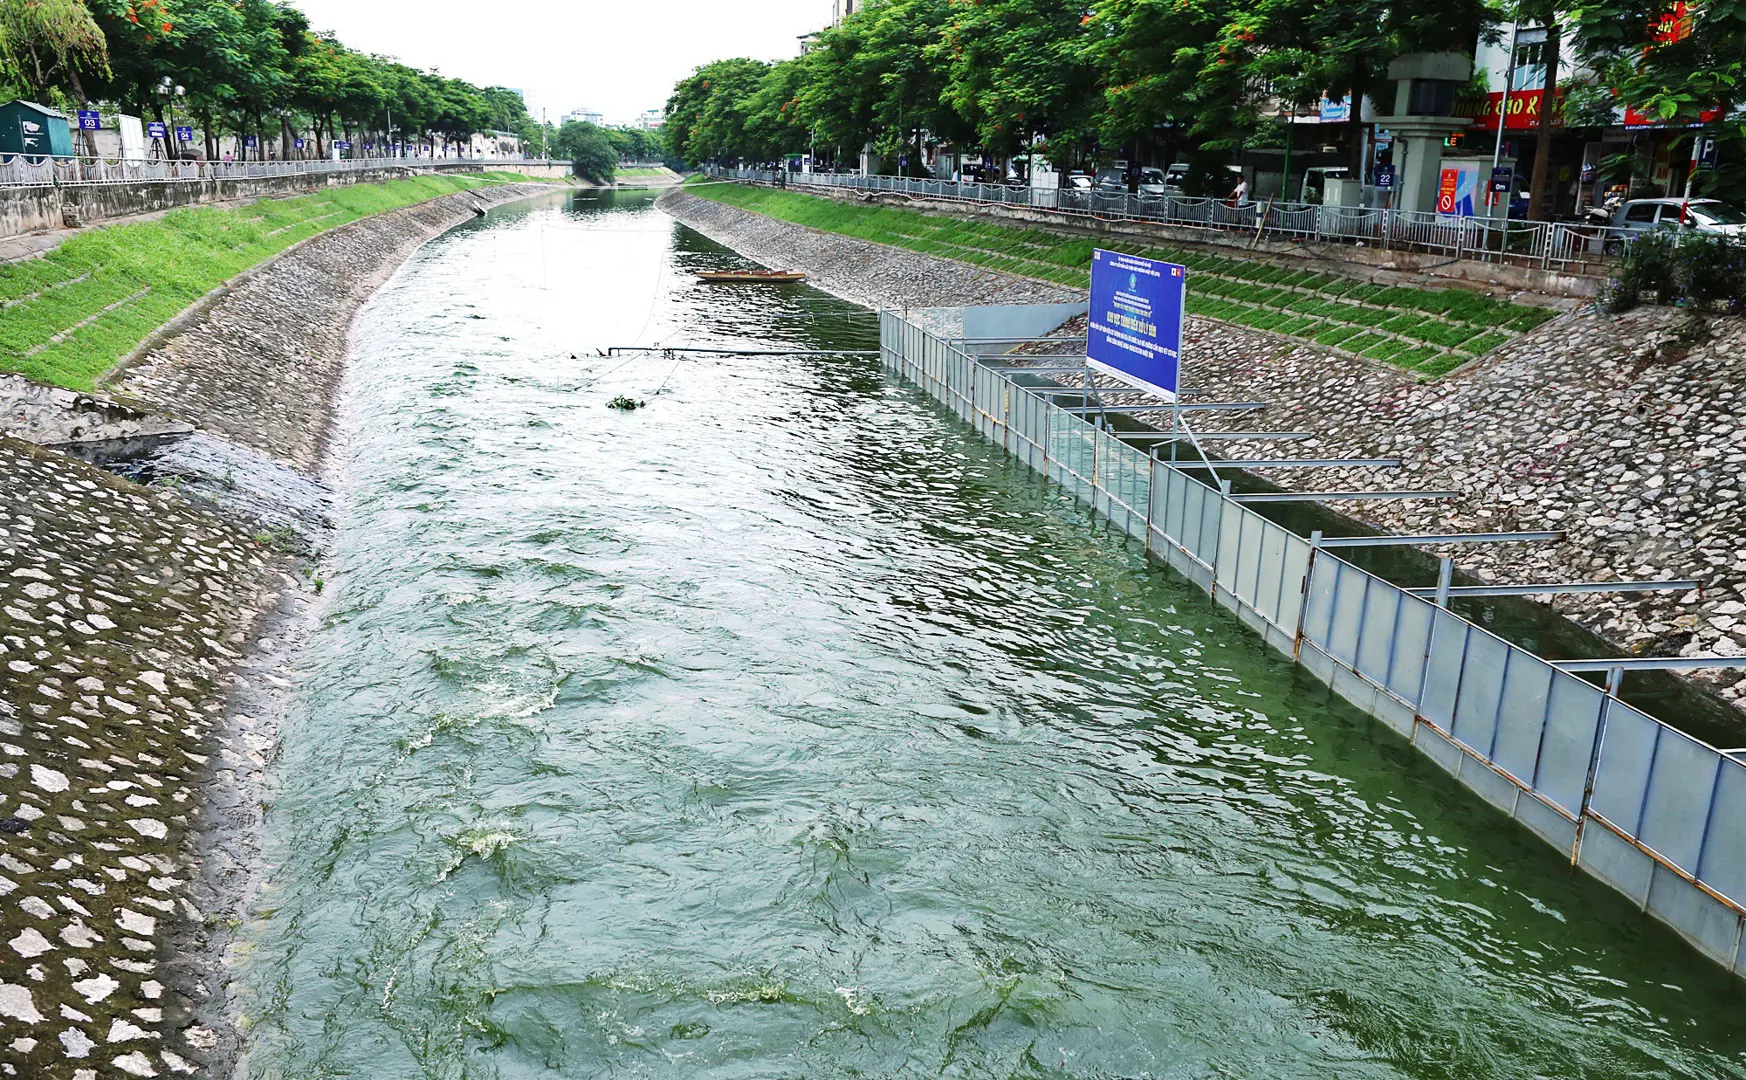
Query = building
x=841 y=9
x=582 y=116
x=652 y=120
x=495 y=144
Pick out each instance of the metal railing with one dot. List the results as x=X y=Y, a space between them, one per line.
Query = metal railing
x=1562 y=245
x=21 y=170
x=1649 y=810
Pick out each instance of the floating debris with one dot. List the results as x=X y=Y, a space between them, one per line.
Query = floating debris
x=625 y=404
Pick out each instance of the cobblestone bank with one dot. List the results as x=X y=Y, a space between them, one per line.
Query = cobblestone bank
x=123 y=609
x=259 y=365
x=1612 y=429
x=136 y=690
x=871 y=274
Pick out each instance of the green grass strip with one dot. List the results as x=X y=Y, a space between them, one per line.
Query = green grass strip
x=1451 y=325
x=67 y=317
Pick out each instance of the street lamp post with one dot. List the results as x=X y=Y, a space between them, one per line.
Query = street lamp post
x=170 y=91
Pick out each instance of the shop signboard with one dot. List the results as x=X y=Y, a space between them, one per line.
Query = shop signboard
x=1136 y=320
x=1335 y=111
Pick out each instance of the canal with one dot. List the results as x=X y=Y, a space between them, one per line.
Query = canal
x=784 y=728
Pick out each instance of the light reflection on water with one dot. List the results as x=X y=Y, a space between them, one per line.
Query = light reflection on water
x=786 y=729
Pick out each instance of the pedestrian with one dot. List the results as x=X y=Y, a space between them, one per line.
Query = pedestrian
x=1240 y=193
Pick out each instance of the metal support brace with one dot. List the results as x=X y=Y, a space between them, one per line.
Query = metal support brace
x=1652 y=663
x=1445 y=576
x=1199 y=406
x=1222 y=436
x=1449 y=538
x=1463 y=591
x=1301 y=463
x=1332 y=496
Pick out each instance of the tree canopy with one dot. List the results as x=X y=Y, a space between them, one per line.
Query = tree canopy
x=250 y=67
x=1082 y=76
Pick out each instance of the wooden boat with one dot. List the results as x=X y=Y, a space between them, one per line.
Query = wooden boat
x=751 y=277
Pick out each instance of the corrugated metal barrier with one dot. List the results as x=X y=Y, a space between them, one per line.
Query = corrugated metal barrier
x=1645 y=808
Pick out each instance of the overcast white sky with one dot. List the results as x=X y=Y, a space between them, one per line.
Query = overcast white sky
x=617 y=57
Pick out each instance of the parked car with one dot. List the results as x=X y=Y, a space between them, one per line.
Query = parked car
x=1154 y=182
x=1080 y=181
x=1112 y=181
x=1701 y=215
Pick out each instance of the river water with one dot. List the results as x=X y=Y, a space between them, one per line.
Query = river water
x=784 y=728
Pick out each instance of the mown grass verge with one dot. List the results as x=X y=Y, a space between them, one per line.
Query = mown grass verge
x=68 y=317
x=1427 y=331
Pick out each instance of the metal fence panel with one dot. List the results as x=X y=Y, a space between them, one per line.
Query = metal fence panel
x=1348 y=619
x=1412 y=638
x=1521 y=716
x=1723 y=864
x=1676 y=807
x=1377 y=641
x=1443 y=668
x=1274 y=573
x=1567 y=743
x=1476 y=702
x=1627 y=751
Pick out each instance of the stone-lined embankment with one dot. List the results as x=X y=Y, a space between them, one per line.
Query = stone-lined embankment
x=132 y=747
x=1613 y=429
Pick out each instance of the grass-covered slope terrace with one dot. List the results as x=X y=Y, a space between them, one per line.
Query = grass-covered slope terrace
x=68 y=317
x=1426 y=331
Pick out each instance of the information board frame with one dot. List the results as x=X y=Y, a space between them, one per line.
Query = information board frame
x=1138 y=311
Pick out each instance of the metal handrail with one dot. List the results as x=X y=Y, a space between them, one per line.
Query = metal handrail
x=1534 y=243
x=23 y=170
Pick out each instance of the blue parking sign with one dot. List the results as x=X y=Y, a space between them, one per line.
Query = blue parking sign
x=90 y=120
x=155 y=130
x=184 y=134
x=1136 y=320
x=1385 y=176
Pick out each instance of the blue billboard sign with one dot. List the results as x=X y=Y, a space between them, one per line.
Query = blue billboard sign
x=1136 y=320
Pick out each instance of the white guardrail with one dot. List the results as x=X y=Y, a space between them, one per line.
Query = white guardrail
x=22 y=170
x=1651 y=811
x=1547 y=244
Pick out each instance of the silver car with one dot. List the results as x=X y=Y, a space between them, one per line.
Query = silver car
x=1701 y=215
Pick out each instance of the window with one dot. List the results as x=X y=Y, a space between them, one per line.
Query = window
x=1642 y=214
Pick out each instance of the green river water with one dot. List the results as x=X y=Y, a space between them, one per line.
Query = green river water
x=785 y=728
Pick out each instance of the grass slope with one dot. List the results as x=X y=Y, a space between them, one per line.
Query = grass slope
x=68 y=317
x=1426 y=331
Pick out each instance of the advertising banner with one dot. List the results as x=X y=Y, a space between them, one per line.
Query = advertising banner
x=1136 y=320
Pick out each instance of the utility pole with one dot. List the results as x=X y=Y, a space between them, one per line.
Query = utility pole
x=1503 y=109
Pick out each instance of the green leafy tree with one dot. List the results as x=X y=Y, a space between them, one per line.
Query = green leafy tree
x=590 y=153
x=1016 y=69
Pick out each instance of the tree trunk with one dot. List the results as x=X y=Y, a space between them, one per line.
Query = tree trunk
x=89 y=137
x=206 y=134
x=1538 y=210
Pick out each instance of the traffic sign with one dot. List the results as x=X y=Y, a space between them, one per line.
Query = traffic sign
x=1706 y=152
x=1385 y=176
x=90 y=120
x=297 y=144
x=155 y=130
x=251 y=141
x=184 y=134
x=1502 y=180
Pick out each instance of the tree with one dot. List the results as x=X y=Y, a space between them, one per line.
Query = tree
x=589 y=151
x=1017 y=68
x=47 y=41
x=708 y=111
